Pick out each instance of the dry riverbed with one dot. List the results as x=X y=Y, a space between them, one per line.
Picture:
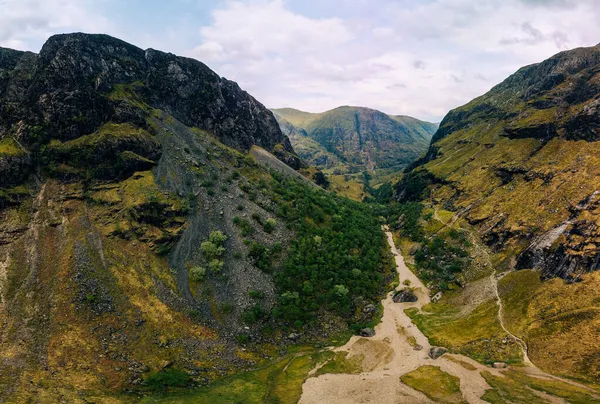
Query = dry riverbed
x=398 y=356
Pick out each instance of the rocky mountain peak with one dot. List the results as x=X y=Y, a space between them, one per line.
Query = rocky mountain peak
x=82 y=75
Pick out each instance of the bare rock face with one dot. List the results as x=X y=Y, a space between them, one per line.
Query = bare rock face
x=78 y=81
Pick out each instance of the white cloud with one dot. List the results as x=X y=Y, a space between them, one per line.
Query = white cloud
x=411 y=57
x=27 y=22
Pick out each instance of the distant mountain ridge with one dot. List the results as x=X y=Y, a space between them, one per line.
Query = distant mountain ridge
x=355 y=138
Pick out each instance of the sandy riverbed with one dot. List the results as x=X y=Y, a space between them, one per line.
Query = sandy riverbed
x=389 y=355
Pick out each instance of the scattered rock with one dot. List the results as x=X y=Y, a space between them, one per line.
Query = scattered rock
x=437 y=297
x=414 y=250
x=367 y=332
x=437 y=351
x=370 y=309
x=294 y=336
x=404 y=295
x=499 y=365
x=418 y=347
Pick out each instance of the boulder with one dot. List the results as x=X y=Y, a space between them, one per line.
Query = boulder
x=404 y=295
x=294 y=336
x=367 y=332
x=418 y=347
x=436 y=351
x=436 y=297
x=370 y=309
x=499 y=365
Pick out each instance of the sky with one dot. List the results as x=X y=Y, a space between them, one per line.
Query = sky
x=411 y=57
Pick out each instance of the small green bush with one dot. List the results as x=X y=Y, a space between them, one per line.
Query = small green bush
x=256 y=294
x=217 y=237
x=215 y=265
x=197 y=273
x=269 y=225
x=167 y=378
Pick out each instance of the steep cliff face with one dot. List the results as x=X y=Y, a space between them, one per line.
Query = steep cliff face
x=73 y=88
x=521 y=163
x=137 y=234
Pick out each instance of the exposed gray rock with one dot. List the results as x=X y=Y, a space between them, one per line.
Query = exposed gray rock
x=404 y=295
x=436 y=351
x=499 y=365
x=367 y=332
x=370 y=309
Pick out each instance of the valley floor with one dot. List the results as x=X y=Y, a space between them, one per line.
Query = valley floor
x=394 y=367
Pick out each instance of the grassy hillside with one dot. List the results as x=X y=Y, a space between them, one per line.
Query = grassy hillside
x=519 y=165
x=140 y=253
x=347 y=141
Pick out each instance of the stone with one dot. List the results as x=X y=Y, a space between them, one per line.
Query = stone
x=294 y=336
x=404 y=295
x=436 y=351
x=369 y=309
x=436 y=298
x=414 y=250
x=499 y=365
x=418 y=347
x=367 y=332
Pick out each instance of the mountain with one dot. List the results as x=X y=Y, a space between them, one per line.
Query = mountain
x=153 y=230
x=518 y=167
x=353 y=139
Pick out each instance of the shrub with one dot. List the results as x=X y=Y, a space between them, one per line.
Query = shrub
x=257 y=217
x=256 y=294
x=260 y=257
x=243 y=338
x=244 y=225
x=197 y=273
x=166 y=378
x=253 y=315
x=340 y=290
x=269 y=225
x=211 y=250
x=215 y=265
x=217 y=237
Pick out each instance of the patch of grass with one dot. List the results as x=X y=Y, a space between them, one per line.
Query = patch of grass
x=477 y=334
x=506 y=391
x=340 y=363
x=9 y=147
x=167 y=378
x=277 y=382
x=551 y=315
x=435 y=384
x=462 y=363
x=571 y=393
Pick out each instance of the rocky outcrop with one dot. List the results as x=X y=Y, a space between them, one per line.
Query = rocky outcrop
x=516 y=161
x=78 y=83
x=404 y=296
x=436 y=351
